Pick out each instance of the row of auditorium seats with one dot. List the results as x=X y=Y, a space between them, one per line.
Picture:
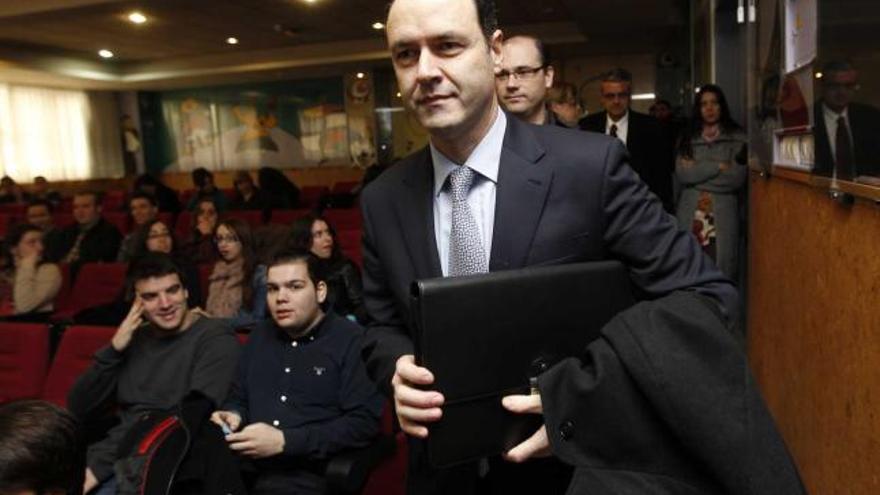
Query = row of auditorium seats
x=29 y=371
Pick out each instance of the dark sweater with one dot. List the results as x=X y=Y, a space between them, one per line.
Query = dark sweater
x=315 y=389
x=155 y=372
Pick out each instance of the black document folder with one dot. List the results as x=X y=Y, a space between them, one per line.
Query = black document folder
x=485 y=336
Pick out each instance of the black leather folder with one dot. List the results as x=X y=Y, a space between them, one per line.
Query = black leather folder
x=485 y=336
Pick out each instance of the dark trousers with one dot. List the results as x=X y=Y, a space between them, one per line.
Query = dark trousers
x=298 y=482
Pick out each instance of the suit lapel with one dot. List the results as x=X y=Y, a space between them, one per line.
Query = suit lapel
x=523 y=184
x=416 y=215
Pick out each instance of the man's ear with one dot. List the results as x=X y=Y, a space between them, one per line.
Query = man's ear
x=496 y=42
x=321 y=291
x=548 y=76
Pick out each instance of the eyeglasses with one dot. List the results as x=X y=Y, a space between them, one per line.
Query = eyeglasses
x=225 y=238
x=520 y=73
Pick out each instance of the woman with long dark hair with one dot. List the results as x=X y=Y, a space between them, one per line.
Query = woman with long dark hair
x=237 y=285
x=346 y=294
x=711 y=170
x=28 y=284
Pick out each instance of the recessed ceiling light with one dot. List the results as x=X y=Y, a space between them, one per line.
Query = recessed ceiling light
x=105 y=53
x=232 y=40
x=359 y=75
x=137 y=18
x=398 y=94
x=378 y=25
x=819 y=75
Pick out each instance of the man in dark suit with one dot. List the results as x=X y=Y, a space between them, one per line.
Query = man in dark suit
x=846 y=135
x=493 y=193
x=91 y=238
x=650 y=156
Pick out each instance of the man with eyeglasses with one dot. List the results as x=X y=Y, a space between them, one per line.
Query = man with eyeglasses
x=640 y=133
x=522 y=79
x=845 y=132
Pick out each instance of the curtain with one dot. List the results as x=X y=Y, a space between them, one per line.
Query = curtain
x=59 y=134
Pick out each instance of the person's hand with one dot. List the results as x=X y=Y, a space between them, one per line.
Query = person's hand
x=257 y=441
x=229 y=418
x=537 y=445
x=90 y=481
x=126 y=329
x=29 y=261
x=414 y=406
x=724 y=166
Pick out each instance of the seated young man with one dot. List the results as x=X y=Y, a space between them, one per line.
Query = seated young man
x=160 y=353
x=302 y=392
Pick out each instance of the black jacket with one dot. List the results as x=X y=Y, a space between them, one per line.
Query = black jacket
x=863 y=121
x=651 y=155
x=101 y=244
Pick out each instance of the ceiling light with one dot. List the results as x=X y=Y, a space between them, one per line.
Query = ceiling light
x=137 y=18
x=378 y=25
x=643 y=96
x=819 y=75
x=232 y=40
x=105 y=53
x=398 y=94
x=359 y=75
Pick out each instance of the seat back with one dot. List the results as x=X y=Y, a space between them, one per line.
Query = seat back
x=252 y=218
x=24 y=359
x=74 y=355
x=95 y=284
x=344 y=218
x=287 y=217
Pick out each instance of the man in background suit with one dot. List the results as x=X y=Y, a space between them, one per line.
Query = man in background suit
x=524 y=79
x=538 y=195
x=846 y=133
x=650 y=155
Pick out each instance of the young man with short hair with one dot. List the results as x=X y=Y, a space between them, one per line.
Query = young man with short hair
x=160 y=353
x=143 y=208
x=302 y=393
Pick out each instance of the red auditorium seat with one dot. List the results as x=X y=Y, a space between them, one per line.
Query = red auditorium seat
x=167 y=218
x=14 y=209
x=344 y=218
x=119 y=219
x=183 y=225
x=310 y=196
x=114 y=201
x=24 y=359
x=66 y=205
x=7 y=220
x=96 y=284
x=63 y=219
x=388 y=477
x=73 y=357
x=345 y=187
x=253 y=218
x=287 y=217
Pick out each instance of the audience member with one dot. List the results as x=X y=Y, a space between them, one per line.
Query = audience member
x=160 y=353
x=10 y=191
x=565 y=104
x=237 y=285
x=301 y=356
x=200 y=245
x=41 y=191
x=845 y=131
x=282 y=192
x=91 y=238
x=711 y=168
x=640 y=133
x=203 y=180
x=670 y=127
x=142 y=207
x=522 y=79
x=345 y=289
x=247 y=195
x=165 y=196
x=39 y=213
x=28 y=284
x=42 y=452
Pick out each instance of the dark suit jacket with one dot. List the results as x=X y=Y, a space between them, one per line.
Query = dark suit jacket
x=864 y=122
x=101 y=243
x=651 y=155
x=562 y=196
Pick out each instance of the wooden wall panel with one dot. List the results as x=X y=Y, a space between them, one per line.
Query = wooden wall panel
x=814 y=329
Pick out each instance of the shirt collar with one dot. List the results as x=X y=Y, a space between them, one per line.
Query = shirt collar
x=484 y=160
x=831 y=114
x=622 y=122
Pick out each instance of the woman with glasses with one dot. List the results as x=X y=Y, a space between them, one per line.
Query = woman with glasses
x=711 y=170
x=343 y=278
x=237 y=285
x=28 y=285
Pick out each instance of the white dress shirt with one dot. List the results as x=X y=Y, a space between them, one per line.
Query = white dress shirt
x=484 y=160
x=622 y=126
x=831 y=127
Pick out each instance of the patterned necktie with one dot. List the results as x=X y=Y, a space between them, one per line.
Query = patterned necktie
x=466 y=254
x=613 y=130
x=843 y=160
